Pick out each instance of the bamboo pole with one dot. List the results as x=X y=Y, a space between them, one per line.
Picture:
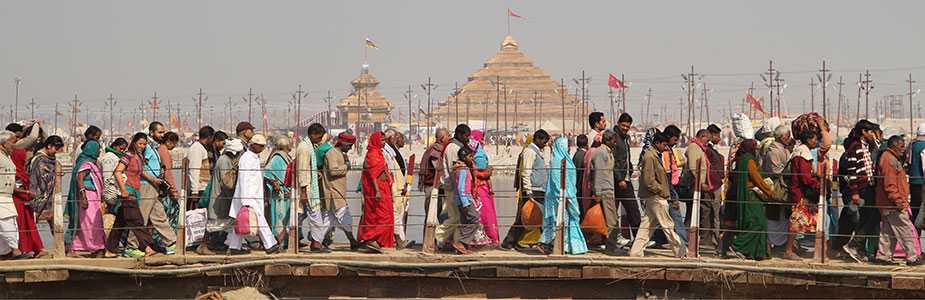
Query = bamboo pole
x=181 y=222
x=295 y=194
x=58 y=218
x=693 y=233
x=819 y=249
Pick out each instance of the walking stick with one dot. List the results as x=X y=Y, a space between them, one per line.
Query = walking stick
x=181 y=223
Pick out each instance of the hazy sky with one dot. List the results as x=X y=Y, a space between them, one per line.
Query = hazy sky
x=133 y=48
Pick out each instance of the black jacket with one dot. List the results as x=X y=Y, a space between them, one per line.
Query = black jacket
x=623 y=167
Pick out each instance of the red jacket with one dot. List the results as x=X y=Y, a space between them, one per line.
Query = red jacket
x=892 y=184
x=801 y=177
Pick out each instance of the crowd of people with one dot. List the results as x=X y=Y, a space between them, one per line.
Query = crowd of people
x=122 y=198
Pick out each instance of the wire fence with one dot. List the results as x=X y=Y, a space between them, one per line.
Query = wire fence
x=830 y=202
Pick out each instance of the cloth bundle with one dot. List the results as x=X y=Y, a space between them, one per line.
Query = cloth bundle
x=808 y=122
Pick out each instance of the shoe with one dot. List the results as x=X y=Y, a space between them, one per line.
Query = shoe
x=918 y=261
x=133 y=253
x=739 y=255
x=622 y=242
x=650 y=244
x=170 y=249
x=203 y=249
x=852 y=253
x=545 y=249
x=507 y=246
x=404 y=244
x=880 y=262
x=273 y=250
x=370 y=247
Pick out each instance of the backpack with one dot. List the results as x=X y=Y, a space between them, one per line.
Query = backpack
x=842 y=173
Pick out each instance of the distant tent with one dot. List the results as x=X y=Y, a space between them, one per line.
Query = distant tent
x=551 y=126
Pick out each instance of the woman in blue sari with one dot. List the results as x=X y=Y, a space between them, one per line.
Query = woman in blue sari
x=574 y=240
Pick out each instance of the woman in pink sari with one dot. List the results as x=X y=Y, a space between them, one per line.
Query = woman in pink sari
x=89 y=235
x=482 y=189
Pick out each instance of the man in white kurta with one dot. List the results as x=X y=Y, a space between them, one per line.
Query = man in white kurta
x=249 y=192
x=395 y=141
x=9 y=231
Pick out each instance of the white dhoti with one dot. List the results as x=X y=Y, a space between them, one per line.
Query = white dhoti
x=9 y=235
x=234 y=240
x=342 y=219
x=400 y=210
x=318 y=222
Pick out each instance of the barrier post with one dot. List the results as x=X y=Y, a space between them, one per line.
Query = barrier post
x=693 y=233
x=58 y=218
x=559 y=246
x=430 y=215
x=181 y=221
x=819 y=249
x=295 y=196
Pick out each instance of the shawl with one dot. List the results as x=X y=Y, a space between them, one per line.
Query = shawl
x=314 y=194
x=42 y=178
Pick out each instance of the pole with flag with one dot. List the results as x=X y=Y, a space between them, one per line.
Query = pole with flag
x=614 y=83
x=511 y=14
x=369 y=45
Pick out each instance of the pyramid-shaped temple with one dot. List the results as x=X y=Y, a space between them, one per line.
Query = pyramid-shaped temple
x=365 y=106
x=510 y=93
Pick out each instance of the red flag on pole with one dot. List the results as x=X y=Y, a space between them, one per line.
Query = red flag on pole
x=511 y=13
x=755 y=102
x=614 y=82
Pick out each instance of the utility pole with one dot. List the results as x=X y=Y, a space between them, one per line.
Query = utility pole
x=911 y=93
x=622 y=94
x=536 y=111
x=228 y=111
x=838 y=109
x=428 y=87
x=32 y=108
x=249 y=100
x=648 y=106
x=456 y=92
x=75 y=108
x=112 y=105
x=298 y=107
x=705 y=106
x=582 y=84
x=199 y=101
x=867 y=86
x=812 y=95
x=498 y=107
x=769 y=82
x=57 y=113
x=612 y=110
x=263 y=114
x=691 y=85
x=327 y=114
x=409 y=97
x=154 y=106
x=860 y=88
x=562 y=95
x=17 y=81
x=824 y=79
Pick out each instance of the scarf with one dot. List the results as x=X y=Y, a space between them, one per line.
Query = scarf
x=115 y=151
x=706 y=164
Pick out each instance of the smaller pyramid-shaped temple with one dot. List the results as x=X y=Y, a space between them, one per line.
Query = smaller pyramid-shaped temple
x=510 y=93
x=365 y=108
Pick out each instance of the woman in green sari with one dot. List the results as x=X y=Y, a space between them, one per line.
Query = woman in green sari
x=274 y=174
x=751 y=237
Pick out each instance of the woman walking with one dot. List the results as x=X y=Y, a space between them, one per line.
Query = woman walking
x=574 y=239
x=29 y=239
x=274 y=175
x=86 y=213
x=376 y=226
x=804 y=189
x=751 y=241
x=482 y=188
x=128 y=215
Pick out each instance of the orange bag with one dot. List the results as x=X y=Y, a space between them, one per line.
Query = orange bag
x=531 y=214
x=594 y=220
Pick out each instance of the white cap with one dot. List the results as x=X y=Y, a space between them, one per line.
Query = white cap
x=234 y=145
x=921 y=131
x=259 y=139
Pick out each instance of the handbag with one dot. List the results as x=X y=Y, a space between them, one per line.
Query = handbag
x=246 y=222
x=111 y=190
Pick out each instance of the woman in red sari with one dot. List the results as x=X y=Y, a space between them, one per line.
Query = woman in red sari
x=29 y=239
x=376 y=225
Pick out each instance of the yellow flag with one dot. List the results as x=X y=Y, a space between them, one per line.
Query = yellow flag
x=371 y=44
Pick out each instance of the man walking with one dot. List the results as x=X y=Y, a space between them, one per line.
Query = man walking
x=624 y=193
x=654 y=188
x=531 y=183
x=448 y=231
x=893 y=200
